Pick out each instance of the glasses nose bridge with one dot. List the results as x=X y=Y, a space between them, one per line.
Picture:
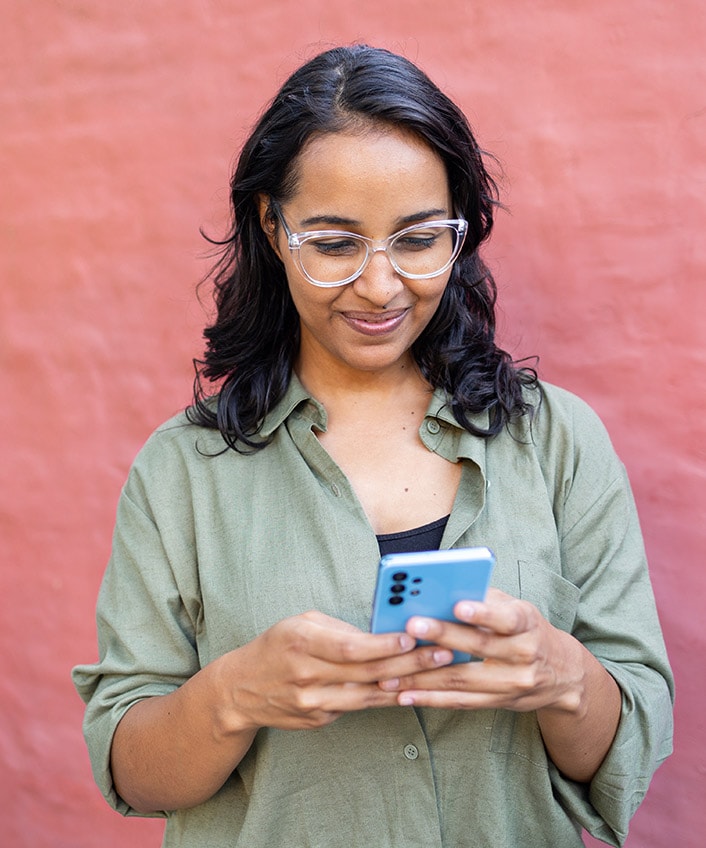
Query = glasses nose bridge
x=378 y=246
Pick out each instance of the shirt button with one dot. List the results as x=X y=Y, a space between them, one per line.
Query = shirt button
x=411 y=752
x=433 y=426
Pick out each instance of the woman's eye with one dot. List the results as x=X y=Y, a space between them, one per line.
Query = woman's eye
x=336 y=247
x=417 y=241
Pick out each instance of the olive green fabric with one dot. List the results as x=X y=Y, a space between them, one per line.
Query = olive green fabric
x=213 y=547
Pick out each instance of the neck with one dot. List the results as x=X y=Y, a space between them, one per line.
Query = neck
x=331 y=387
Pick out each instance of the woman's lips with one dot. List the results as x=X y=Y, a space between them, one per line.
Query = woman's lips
x=374 y=323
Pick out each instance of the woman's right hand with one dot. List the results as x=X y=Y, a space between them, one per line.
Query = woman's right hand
x=307 y=670
x=176 y=750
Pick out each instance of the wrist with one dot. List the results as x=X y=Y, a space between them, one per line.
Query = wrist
x=573 y=674
x=230 y=718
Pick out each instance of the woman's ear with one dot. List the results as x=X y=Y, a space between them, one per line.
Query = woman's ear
x=268 y=222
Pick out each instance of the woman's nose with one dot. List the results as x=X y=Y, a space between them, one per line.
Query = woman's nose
x=379 y=282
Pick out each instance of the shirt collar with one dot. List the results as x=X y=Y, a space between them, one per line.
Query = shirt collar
x=295 y=396
x=440 y=431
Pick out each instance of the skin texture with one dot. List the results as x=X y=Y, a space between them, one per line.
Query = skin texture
x=177 y=750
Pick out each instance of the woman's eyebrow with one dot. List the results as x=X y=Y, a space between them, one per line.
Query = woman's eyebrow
x=339 y=221
x=329 y=219
x=423 y=216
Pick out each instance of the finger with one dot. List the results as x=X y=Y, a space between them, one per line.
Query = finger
x=488 y=682
x=324 y=704
x=476 y=691
x=494 y=595
x=453 y=636
x=323 y=638
x=403 y=666
x=450 y=700
x=505 y=616
x=463 y=676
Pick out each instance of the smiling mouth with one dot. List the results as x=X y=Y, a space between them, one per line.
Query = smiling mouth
x=374 y=323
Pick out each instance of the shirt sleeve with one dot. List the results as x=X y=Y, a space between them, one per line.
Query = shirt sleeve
x=146 y=635
x=603 y=555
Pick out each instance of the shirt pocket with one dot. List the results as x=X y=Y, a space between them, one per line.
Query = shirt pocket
x=554 y=596
x=557 y=599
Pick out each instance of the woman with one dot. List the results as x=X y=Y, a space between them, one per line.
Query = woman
x=362 y=406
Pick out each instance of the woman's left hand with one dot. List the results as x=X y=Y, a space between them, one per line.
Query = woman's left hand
x=527 y=663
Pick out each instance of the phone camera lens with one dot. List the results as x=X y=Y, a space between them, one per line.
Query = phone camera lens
x=395 y=599
x=397 y=588
x=399 y=576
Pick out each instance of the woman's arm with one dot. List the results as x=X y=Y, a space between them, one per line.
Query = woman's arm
x=176 y=750
x=580 y=728
x=172 y=751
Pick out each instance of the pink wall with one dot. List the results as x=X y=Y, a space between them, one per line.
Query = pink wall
x=118 y=123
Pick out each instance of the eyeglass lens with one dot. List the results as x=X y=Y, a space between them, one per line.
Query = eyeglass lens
x=422 y=251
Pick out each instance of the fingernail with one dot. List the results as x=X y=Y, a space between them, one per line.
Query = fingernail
x=405 y=701
x=390 y=685
x=407 y=642
x=420 y=627
x=443 y=657
x=466 y=610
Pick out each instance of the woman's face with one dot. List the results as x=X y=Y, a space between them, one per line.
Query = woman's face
x=372 y=182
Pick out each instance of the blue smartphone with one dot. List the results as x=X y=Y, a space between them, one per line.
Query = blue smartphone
x=429 y=583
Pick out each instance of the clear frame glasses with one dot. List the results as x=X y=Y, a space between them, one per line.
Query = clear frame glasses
x=329 y=258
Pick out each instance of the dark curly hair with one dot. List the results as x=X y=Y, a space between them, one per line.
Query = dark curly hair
x=254 y=341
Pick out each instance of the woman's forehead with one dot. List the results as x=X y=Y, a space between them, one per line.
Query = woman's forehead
x=339 y=173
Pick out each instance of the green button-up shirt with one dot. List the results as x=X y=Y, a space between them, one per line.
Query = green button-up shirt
x=213 y=547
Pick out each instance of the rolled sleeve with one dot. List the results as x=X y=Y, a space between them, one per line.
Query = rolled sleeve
x=146 y=637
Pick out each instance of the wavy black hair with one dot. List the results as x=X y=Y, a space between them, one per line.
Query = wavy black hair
x=253 y=343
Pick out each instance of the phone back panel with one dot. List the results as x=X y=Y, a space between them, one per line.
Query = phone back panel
x=428 y=583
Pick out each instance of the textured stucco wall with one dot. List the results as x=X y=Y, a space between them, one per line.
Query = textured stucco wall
x=118 y=123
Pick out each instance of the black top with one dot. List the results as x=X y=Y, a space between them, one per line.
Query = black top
x=425 y=538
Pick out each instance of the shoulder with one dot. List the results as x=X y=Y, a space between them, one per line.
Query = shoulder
x=182 y=461
x=179 y=437
x=571 y=443
x=176 y=456
x=563 y=418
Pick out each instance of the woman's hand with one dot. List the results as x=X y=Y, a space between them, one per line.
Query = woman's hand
x=527 y=665
x=174 y=751
x=307 y=670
